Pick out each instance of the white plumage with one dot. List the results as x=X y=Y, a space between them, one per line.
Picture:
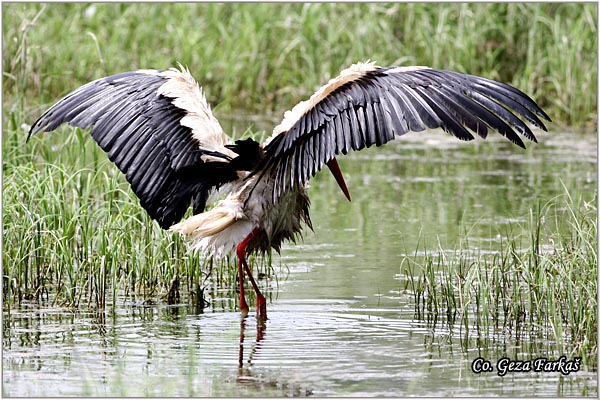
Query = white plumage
x=158 y=128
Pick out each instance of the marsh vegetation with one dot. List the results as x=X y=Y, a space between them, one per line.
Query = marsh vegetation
x=483 y=243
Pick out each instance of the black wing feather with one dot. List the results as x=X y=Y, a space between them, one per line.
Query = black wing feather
x=384 y=102
x=142 y=134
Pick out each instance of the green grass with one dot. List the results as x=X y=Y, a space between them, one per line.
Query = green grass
x=75 y=234
x=80 y=236
x=263 y=58
x=540 y=290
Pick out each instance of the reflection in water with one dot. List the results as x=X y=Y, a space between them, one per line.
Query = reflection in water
x=99 y=323
x=341 y=322
x=260 y=332
x=324 y=347
x=246 y=372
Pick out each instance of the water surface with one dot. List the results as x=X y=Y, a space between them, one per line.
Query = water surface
x=340 y=321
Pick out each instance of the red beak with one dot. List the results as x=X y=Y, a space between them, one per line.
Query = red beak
x=337 y=174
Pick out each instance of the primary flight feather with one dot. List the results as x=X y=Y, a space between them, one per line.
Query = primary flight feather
x=159 y=130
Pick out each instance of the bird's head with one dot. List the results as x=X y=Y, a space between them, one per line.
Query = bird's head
x=249 y=154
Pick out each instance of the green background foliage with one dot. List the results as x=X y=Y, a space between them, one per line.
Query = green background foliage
x=71 y=223
x=263 y=58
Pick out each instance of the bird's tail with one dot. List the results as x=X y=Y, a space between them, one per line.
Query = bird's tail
x=205 y=224
x=216 y=231
x=212 y=222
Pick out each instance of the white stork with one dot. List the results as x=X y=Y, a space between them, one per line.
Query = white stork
x=158 y=128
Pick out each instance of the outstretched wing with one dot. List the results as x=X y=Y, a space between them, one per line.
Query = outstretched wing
x=157 y=127
x=368 y=105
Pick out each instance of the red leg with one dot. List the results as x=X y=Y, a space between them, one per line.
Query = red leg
x=243 y=305
x=261 y=302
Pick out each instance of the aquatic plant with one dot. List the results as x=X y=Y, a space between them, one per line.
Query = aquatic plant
x=540 y=290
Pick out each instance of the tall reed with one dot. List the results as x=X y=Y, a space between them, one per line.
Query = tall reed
x=265 y=57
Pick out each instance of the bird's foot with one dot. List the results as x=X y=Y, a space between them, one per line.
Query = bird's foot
x=261 y=307
x=244 y=309
x=244 y=312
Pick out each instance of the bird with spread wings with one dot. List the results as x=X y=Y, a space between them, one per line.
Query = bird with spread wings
x=158 y=129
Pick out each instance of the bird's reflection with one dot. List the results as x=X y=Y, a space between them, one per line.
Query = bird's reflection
x=258 y=380
x=260 y=334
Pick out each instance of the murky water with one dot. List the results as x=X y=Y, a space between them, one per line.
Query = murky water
x=340 y=323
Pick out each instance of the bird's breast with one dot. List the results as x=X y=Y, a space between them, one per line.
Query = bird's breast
x=280 y=219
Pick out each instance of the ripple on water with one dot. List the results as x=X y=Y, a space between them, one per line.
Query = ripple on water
x=332 y=329
x=307 y=347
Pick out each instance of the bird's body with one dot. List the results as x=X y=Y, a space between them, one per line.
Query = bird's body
x=218 y=231
x=159 y=130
